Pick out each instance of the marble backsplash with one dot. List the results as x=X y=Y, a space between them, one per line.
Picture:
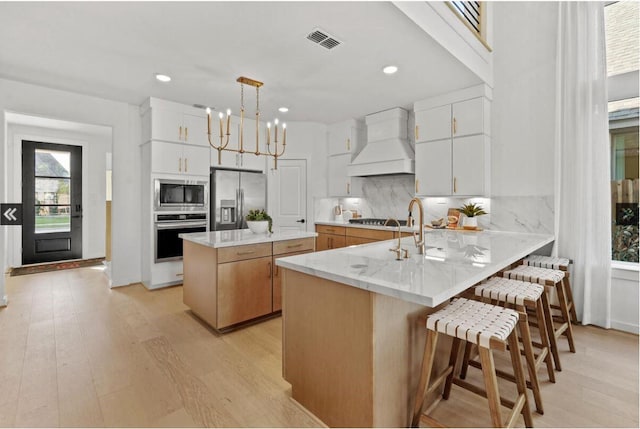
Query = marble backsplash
x=389 y=196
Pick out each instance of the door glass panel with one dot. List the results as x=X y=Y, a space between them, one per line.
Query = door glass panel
x=52 y=219
x=52 y=163
x=52 y=191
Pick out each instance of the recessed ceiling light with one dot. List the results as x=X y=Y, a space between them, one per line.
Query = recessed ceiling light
x=390 y=69
x=284 y=109
x=163 y=77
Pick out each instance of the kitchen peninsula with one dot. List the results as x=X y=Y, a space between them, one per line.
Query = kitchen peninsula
x=352 y=338
x=230 y=277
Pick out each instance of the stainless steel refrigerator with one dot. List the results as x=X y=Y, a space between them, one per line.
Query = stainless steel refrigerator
x=233 y=194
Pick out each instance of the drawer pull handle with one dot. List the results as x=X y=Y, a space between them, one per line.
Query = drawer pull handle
x=293 y=246
x=248 y=252
x=179 y=275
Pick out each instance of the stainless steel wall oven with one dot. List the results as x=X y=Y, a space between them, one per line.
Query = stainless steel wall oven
x=168 y=246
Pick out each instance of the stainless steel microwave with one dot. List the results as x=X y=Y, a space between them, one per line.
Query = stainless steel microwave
x=181 y=195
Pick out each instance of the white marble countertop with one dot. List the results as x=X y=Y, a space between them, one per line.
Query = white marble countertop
x=239 y=237
x=453 y=262
x=392 y=227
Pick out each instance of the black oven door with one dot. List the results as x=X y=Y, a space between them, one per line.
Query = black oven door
x=168 y=245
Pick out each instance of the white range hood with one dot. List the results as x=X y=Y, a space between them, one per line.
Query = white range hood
x=387 y=150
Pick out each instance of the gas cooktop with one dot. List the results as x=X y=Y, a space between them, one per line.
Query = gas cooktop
x=376 y=222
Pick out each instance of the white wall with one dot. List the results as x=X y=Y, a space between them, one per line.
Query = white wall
x=308 y=140
x=94 y=153
x=125 y=122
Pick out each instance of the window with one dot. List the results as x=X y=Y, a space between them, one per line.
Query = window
x=622 y=33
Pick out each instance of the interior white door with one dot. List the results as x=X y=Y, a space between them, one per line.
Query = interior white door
x=288 y=195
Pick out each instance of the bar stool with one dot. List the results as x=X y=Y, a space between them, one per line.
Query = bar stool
x=489 y=327
x=555 y=263
x=549 y=278
x=523 y=296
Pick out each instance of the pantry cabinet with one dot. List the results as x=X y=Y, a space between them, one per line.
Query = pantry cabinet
x=453 y=144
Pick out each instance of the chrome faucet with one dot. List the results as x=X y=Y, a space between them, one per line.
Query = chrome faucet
x=399 y=250
x=419 y=237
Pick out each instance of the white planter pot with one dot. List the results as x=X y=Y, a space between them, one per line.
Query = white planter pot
x=471 y=222
x=258 y=226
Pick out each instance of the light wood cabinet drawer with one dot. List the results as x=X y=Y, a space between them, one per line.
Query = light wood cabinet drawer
x=240 y=253
x=328 y=229
x=373 y=234
x=289 y=246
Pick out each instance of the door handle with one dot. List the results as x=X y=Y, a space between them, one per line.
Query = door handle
x=270 y=269
x=186 y=168
x=180 y=134
x=186 y=134
x=300 y=221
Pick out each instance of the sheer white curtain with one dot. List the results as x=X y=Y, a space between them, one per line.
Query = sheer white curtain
x=582 y=189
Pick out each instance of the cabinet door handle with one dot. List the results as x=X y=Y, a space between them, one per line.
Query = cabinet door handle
x=455 y=185
x=186 y=134
x=330 y=242
x=270 y=270
x=180 y=133
x=417 y=132
x=180 y=165
x=417 y=186
x=454 y=126
x=348 y=188
x=348 y=144
x=186 y=166
x=276 y=271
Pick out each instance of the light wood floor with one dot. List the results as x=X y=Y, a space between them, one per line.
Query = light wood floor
x=74 y=353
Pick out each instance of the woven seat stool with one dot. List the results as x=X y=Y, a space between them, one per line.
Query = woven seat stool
x=556 y=263
x=521 y=295
x=488 y=326
x=550 y=278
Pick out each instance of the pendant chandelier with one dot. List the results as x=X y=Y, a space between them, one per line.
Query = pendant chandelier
x=224 y=136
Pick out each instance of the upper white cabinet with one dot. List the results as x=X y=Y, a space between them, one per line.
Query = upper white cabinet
x=339 y=183
x=453 y=143
x=174 y=122
x=345 y=137
x=177 y=158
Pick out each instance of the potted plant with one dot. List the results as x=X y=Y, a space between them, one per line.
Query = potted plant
x=259 y=221
x=471 y=211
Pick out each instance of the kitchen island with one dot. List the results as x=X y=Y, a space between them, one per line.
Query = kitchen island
x=352 y=335
x=230 y=277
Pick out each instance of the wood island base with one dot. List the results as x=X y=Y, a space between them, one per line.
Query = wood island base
x=352 y=356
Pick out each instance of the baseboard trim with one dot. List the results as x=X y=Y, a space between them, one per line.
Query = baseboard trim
x=626 y=327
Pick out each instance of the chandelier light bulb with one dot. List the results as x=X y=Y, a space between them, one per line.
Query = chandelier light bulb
x=220 y=115
x=268 y=124
x=208 y=110
x=276 y=121
x=228 y=112
x=284 y=125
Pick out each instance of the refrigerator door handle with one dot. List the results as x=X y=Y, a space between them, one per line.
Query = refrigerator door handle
x=238 y=212
x=242 y=213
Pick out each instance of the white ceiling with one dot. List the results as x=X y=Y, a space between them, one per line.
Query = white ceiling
x=113 y=49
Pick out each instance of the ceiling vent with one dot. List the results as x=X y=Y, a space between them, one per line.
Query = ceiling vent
x=323 y=39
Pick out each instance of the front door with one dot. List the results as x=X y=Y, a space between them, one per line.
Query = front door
x=289 y=189
x=52 y=202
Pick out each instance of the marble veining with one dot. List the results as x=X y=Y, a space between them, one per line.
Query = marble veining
x=239 y=237
x=453 y=262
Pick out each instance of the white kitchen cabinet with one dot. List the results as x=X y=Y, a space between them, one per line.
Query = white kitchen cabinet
x=452 y=167
x=178 y=158
x=340 y=184
x=173 y=122
x=470 y=165
x=433 y=124
x=345 y=137
x=433 y=168
x=453 y=143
